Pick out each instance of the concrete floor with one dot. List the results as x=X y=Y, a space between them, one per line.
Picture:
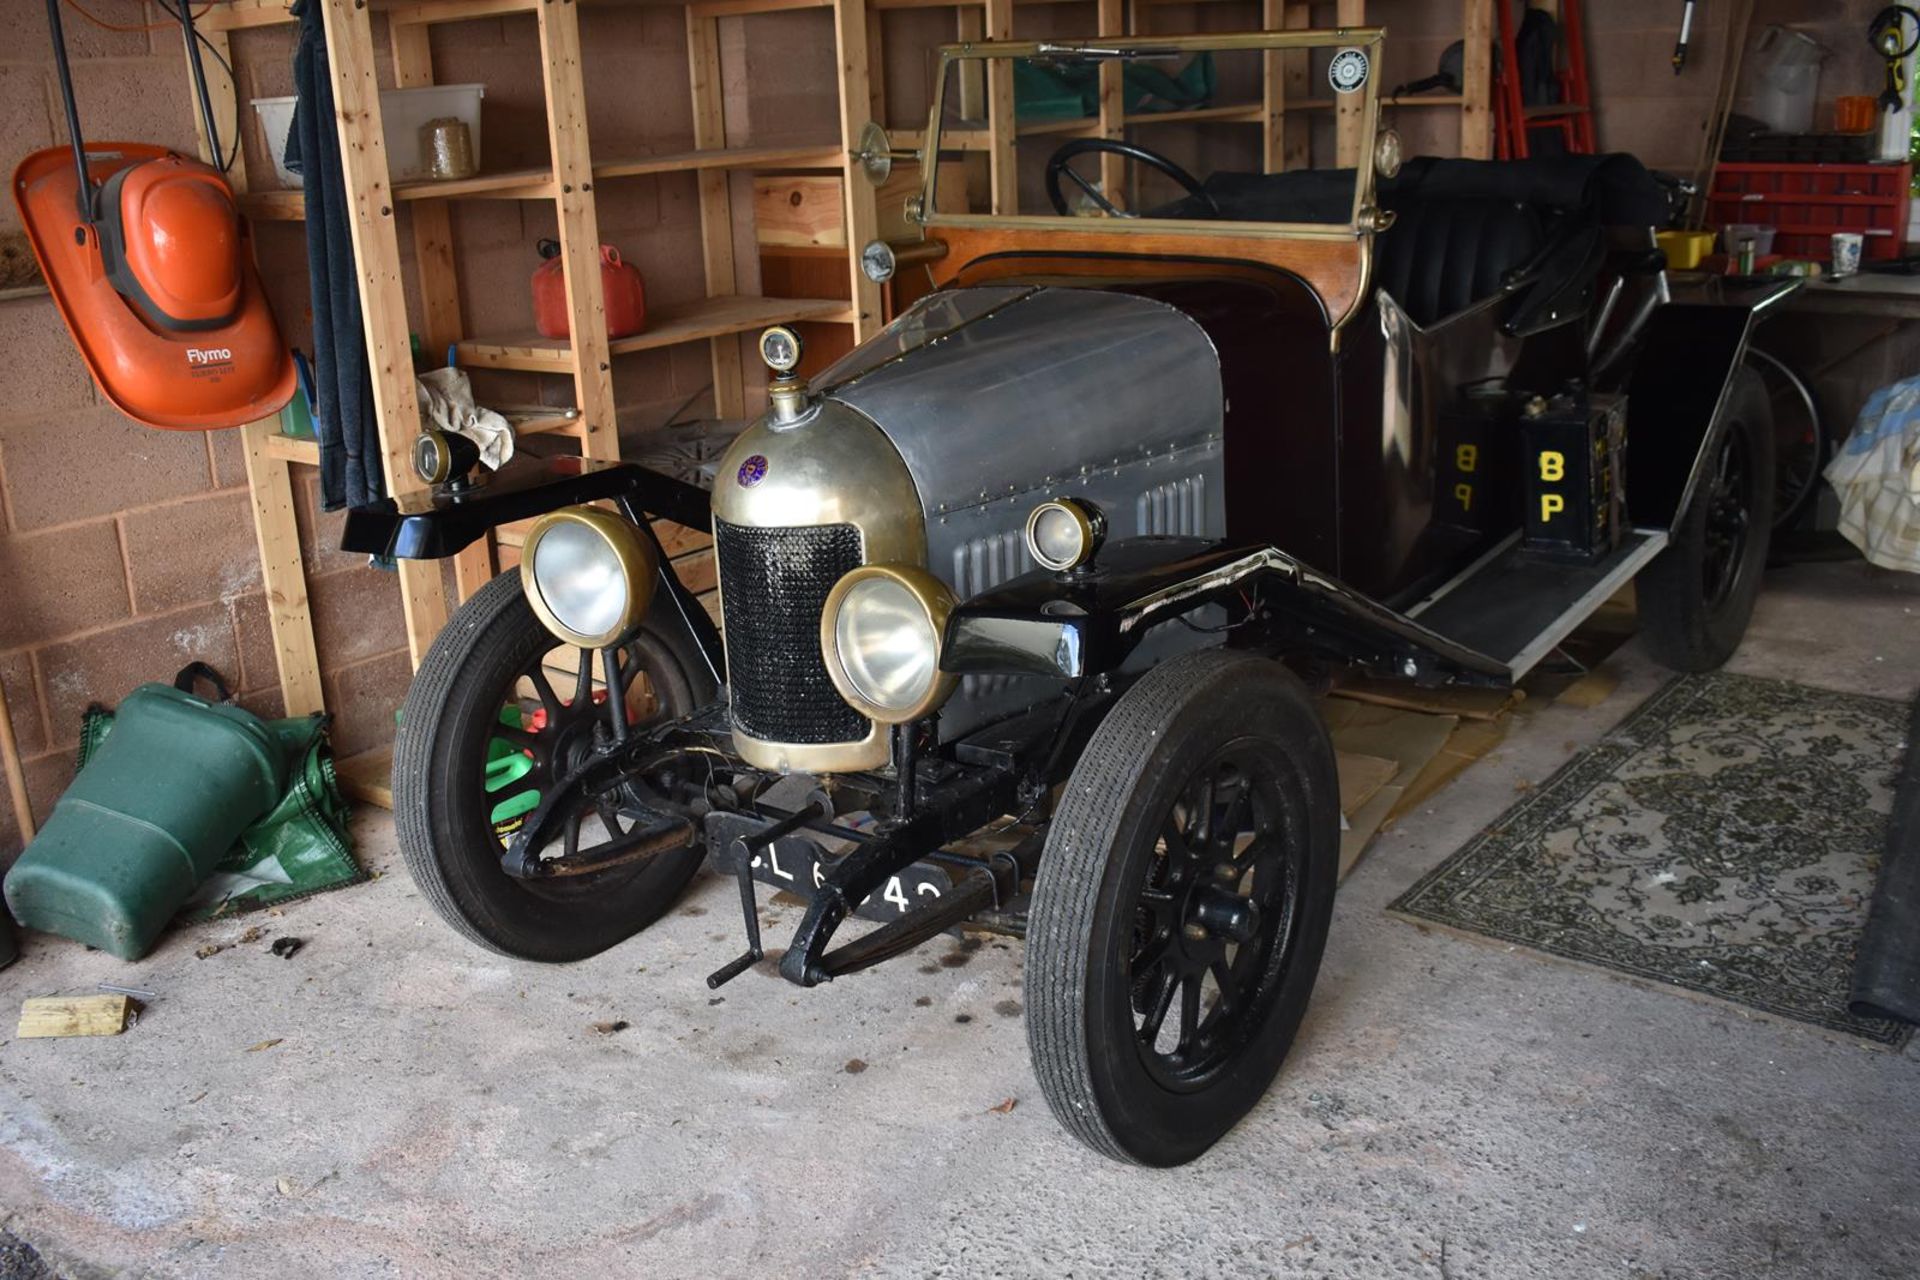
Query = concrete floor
x=393 y=1102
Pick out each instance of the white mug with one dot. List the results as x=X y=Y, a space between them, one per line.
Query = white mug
x=1846 y=253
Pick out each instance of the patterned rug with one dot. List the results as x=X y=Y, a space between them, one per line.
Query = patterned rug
x=1724 y=839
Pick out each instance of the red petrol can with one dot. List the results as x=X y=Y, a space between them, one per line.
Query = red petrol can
x=623 y=291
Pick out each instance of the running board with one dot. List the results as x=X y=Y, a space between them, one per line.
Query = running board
x=1516 y=606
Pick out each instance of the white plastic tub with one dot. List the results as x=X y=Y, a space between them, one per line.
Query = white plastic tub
x=404 y=114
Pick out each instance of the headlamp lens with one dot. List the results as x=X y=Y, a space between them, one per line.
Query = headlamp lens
x=886 y=644
x=580 y=579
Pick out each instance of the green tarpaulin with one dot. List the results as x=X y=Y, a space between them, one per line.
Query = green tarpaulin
x=301 y=847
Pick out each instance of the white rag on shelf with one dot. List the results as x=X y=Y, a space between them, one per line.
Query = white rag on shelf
x=446 y=403
x=1877 y=475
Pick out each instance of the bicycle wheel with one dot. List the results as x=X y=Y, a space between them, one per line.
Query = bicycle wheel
x=1801 y=444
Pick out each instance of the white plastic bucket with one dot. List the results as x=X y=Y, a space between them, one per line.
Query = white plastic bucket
x=403 y=112
x=1789 y=79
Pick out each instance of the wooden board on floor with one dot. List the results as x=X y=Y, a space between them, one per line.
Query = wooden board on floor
x=1362 y=825
x=47 y=1016
x=1466 y=744
x=1360 y=777
x=1411 y=739
x=1467 y=703
x=368 y=777
x=1590 y=690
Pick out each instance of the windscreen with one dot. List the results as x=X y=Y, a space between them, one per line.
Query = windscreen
x=1240 y=134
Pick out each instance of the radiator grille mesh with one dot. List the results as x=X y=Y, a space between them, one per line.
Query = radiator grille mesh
x=773 y=588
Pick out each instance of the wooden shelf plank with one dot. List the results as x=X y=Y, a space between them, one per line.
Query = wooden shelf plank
x=237 y=15
x=963 y=4
x=746 y=8
x=429 y=11
x=305 y=451
x=301 y=449
x=513 y=184
x=368 y=777
x=546 y=424
x=1087 y=125
x=822 y=156
x=950 y=139
x=273 y=206
x=687 y=322
x=1228 y=113
x=240 y=15
x=1231 y=113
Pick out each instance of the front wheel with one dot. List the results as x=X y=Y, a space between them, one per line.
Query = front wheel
x=497 y=713
x=1697 y=596
x=1181 y=907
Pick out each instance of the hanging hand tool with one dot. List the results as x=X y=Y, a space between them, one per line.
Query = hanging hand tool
x=1889 y=39
x=1686 y=36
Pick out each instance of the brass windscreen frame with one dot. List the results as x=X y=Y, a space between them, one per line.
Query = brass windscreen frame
x=1359 y=222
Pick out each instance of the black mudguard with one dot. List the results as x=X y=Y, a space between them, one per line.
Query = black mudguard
x=433 y=525
x=1074 y=625
x=1681 y=379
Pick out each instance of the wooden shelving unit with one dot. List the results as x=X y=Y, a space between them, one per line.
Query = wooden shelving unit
x=1284 y=96
x=569 y=181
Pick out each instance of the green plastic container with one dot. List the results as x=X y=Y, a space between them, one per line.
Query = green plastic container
x=147 y=819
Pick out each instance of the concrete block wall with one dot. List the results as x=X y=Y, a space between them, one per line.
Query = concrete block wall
x=126 y=552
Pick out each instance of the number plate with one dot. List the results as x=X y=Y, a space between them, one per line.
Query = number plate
x=796 y=865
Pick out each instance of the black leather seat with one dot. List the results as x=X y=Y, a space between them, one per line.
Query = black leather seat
x=1462 y=225
x=1443 y=255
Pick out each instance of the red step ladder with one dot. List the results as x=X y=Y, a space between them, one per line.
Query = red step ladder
x=1572 y=115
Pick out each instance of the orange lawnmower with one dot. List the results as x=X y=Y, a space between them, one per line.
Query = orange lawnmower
x=150 y=263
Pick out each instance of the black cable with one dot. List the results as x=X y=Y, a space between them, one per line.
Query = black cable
x=234 y=154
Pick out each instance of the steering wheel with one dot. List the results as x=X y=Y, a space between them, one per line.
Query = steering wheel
x=1061 y=163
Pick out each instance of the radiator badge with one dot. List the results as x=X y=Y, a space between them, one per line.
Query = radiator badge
x=752 y=471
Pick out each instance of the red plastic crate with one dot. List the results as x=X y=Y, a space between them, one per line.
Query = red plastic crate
x=1807 y=203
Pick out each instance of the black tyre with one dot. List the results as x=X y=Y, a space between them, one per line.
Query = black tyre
x=1697 y=596
x=1181 y=907
x=489 y=722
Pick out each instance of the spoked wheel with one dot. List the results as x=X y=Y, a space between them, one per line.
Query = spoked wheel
x=1801 y=443
x=497 y=715
x=1728 y=524
x=1181 y=907
x=542 y=737
x=1697 y=596
x=1215 y=920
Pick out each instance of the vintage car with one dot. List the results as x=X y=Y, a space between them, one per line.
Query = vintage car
x=1026 y=601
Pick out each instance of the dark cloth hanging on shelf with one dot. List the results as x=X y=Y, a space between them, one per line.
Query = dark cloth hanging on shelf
x=343 y=413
